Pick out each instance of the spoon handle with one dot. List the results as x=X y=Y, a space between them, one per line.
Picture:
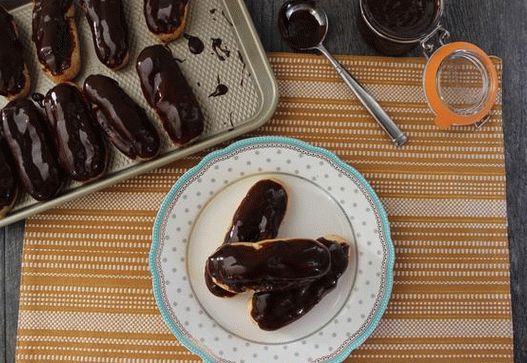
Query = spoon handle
x=373 y=107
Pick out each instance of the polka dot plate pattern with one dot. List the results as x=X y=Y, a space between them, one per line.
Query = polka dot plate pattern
x=197 y=209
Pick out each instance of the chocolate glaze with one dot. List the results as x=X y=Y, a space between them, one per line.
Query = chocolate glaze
x=226 y=18
x=268 y=265
x=221 y=52
x=276 y=309
x=300 y=29
x=27 y=137
x=109 y=30
x=220 y=90
x=406 y=19
x=168 y=92
x=82 y=149
x=12 y=77
x=8 y=182
x=38 y=98
x=165 y=16
x=260 y=213
x=195 y=44
x=125 y=123
x=52 y=34
x=257 y=218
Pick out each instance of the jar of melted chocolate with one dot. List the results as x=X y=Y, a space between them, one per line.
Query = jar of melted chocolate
x=394 y=27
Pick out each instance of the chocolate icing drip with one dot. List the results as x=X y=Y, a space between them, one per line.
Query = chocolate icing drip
x=38 y=98
x=125 y=123
x=12 y=78
x=168 y=92
x=276 y=309
x=221 y=89
x=226 y=18
x=52 y=34
x=109 y=30
x=26 y=134
x=268 y=265
x=82 y=149
x=221 y=51
x=195 y=44
x=257 y=218
x=164 y=16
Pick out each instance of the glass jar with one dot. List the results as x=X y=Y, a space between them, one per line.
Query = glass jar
x=394 y=27
x=460 y=83
x=460 y=80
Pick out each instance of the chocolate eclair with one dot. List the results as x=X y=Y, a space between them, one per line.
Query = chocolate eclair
x=166 y=18
x=82 y=149
x=168 y=92
x=109 y=31
x=26 y=134
x=275 y=309
x=271 y=265
x=125 y=122
x=56 y=39
x=8 y=182
x=257 y=218
x=14 y=74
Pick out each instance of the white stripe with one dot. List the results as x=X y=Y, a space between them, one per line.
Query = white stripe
x=479 y=328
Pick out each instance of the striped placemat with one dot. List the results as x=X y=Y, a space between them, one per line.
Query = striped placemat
x=86 y=291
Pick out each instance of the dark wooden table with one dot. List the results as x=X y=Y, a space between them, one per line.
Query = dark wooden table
x=498 y=26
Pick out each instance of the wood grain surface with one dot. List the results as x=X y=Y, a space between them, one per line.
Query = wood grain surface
x=497 y=26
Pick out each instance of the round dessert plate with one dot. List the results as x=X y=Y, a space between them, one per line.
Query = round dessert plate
x=326 y=196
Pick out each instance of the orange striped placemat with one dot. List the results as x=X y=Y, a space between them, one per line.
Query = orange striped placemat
x=86 y=292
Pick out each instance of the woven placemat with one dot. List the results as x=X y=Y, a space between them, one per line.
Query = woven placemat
x=86 y=292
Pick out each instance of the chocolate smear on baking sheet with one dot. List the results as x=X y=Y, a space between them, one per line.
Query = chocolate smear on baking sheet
x=195 y=44
x=220 y=50
x=220 y=90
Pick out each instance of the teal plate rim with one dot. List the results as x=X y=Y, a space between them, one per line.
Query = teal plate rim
x=355 y=343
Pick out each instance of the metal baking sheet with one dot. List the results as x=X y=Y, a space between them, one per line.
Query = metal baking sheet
x=250 y=102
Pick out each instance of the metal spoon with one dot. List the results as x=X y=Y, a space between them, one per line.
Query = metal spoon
x=304 y=26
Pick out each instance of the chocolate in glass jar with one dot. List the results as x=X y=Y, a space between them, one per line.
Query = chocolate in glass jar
x=394 y=27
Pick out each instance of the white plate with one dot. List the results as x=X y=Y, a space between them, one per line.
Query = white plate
x=326 y=196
